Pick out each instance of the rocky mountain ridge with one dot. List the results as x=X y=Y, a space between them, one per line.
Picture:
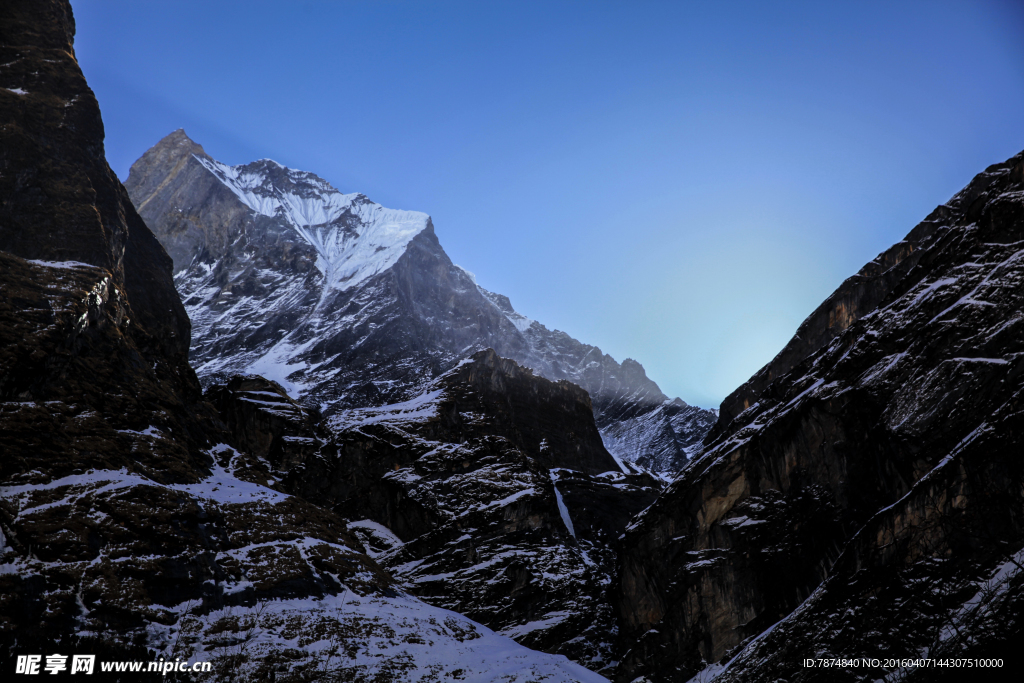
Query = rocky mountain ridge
x=347 y=304
x=867 y=502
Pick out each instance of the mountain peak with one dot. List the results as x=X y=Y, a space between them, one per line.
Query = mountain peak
x=354 y=238
x=179 y=143
x=351 y=237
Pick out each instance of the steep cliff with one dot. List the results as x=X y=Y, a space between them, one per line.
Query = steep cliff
x=89 y=304
x=348 y=304
x=116 y=498
x=868 y=501
x=857 y=296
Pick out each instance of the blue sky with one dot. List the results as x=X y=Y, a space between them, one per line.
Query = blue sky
x=680 y=183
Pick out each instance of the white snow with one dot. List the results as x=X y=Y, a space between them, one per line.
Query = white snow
x=971 y=299
x=428 y=643
x=221 y=486
x=507 y=500
x=550 y=619
x=615 y=446
x=739 y=522
x=929 y=289
x=376 y=532
x=521 y=322
x=470 y=275
x=422 y=407
x=278 y=365
x=564 y=511
x=150 y=431
x=66 y=265
x=354 y=238
x=17 y=91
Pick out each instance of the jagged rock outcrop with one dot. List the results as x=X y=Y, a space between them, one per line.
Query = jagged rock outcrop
x=347 y=304
x=868 y=503
x=127 y=529
x=857 y=296
x=267 y=423
x=490 y=494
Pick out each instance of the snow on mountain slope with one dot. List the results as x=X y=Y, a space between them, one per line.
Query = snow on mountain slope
x=347 y=304
x=266 y=583
x=354 y=238
x=355 y=637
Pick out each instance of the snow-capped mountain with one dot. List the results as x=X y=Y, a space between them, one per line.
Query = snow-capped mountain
x=464 y=469
x=348 y=304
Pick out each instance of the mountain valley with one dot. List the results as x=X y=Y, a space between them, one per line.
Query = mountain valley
x=250 y=420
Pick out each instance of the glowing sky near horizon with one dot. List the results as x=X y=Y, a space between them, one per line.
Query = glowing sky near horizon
x=679 y=183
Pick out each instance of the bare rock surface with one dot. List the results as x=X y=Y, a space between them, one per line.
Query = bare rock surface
x=867 y=502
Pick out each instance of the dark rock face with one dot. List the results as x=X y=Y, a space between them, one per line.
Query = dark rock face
x=266 y=423
x=348 y=304
x=552 y=421
x=490 y=494
x=53 y=152
x=89 y=306
x=61 y=202
x=868 y=502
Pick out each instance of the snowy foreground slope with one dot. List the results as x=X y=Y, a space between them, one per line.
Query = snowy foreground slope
x=372 y=638
x=271 y=586
x=348 y=304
